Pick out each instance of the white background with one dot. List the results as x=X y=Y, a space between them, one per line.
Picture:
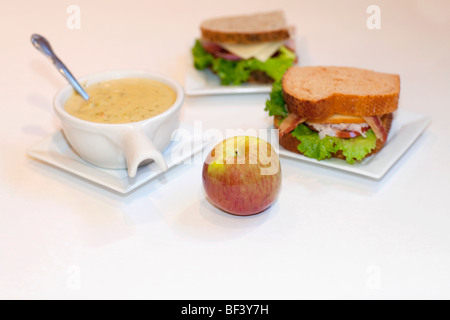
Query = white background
x=330 y=234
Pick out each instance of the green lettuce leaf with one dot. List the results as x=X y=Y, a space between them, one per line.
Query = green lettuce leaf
x=352 y=148
x=232 y=72
x=202 y=59
x=237 y=72
x=276 y=67
x=275 y=105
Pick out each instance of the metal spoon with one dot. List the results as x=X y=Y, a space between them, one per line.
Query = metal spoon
x=43 y=46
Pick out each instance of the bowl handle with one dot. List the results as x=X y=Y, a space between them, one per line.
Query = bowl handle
x=138 y=148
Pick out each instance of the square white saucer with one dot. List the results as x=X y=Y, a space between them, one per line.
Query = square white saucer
x=407 y=126
x=56 y=151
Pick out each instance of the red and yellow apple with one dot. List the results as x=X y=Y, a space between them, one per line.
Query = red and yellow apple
x=242 y=175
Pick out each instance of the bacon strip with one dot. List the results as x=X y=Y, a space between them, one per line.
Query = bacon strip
x=377 y=127
x=219 y=52
x=289 y=124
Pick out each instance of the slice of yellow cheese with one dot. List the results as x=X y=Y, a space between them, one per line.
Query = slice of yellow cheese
x=260 y=51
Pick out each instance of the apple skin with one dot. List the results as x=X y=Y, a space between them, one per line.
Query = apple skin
x=242 y=175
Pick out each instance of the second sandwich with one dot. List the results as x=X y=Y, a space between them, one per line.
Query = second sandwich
x=256 y=48
x=334 y=112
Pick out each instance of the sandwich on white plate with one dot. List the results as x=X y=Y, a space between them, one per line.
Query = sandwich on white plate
x=253 y=48
x=328 y=111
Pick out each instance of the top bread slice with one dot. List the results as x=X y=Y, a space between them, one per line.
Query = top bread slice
x=246 y=29
x=318 y=92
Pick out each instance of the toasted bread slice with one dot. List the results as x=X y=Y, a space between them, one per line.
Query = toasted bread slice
x=259 y=77
x=320 y=92
x=246 y=29
x=289 y=142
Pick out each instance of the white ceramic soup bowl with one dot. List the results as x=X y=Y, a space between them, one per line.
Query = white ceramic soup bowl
x=121 y=146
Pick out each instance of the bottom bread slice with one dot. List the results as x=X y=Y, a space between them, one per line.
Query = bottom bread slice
x=289 y=142
x=259 y=77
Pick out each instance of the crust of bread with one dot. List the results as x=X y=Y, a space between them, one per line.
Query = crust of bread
x=320 y=92
x=289 y=142
x=244 y=38
x=246 y=29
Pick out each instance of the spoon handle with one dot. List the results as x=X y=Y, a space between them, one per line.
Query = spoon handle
x=43 y=46
x=68 y=75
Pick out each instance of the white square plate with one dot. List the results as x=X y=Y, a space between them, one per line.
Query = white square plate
x=406 y=128
x=56 y=151
x=205 y=82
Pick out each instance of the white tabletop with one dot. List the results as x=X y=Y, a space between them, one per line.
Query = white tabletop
x=331 y=234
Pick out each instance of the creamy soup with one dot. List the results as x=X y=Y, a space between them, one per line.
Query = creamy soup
x=122 y=101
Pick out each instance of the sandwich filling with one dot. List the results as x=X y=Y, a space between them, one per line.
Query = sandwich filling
x=355 y=137
x=340 y=130
x=235 y=63
x=261 y=51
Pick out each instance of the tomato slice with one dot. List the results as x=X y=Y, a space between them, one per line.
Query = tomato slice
x=350 y=134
